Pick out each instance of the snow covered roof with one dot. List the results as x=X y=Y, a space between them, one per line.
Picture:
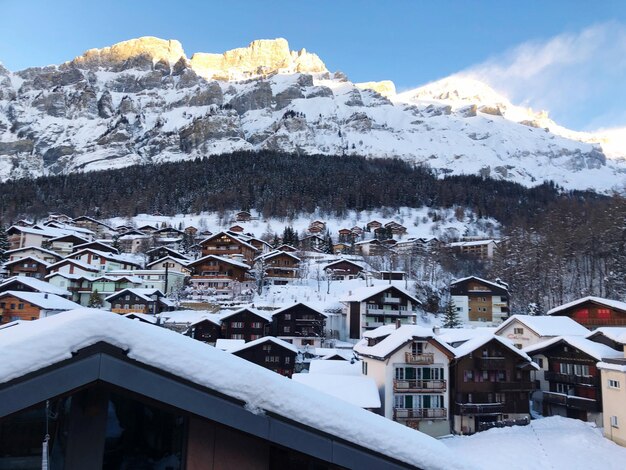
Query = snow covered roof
x=474 y=243
x=325 y=353
x=76 y=262
x=319 y=366
x=188 y=316
x=480 y=340
x=396 y=338
x=616 y=304
x=547 y=326
x=228 y=344
x=264 y=339
x=123 y=258
x=32 y=258
x=37 y=284
x=36 y=248
x=363 y=293
x=598 y=351
x=358 y=390
x=142 y=316
x=265 y=315
x=287 y=307
x=458 y=335
x=181 y=261
x=141 y=293
x=234 y=237
x=220 y=258
x=614 y=333
x=332 y=263
x=42 y=300
x=501 y=285
x=275 y=253
x=614 y=366
x=35 y=345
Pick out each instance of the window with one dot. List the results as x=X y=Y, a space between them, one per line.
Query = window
x=287 y=360
x=614 y=422
x=256 y=324
x=540 y=362
x=613 y=383
x=236 y=336
x=286 y=329
x=518 y=331
x=236 y=324
x=364 y=367
x=468 y=376
x=2 y=305
x=267 y=347
x=603 y=313
x=253 y=337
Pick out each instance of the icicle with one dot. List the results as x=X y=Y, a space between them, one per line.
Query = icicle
x=44 y=445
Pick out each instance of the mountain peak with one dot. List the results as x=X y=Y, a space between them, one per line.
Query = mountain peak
x=155 y=48
x=457 y=89
x=260 y=57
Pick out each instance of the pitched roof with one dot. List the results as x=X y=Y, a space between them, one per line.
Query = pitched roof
x=329 y=265
x=51 y=341
x=258 y=313
x=363 y=293
x=141 y=293
x=232 y=236
x=358 y=390
x=275 y=253
x=37 y=248
x=219 y=258
x=478 y=341
x=288 y=307
x=596 y=350
x=615 y=304
x=396 y=338
x=183 y=262
x=37 y=284
x=32 y=258
x=42 y=300
x=504 y=285
x=614 y=333
x=77 y=262
x=264 y=339
x=547 y=326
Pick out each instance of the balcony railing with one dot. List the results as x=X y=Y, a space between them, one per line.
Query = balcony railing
x=129 y=310
x=425 y=358
x=514 y=386
x=490 y=363
x=571 y=401
x=419 y=385
x=480 y=408
x=571 y=379
x=391 y=300
x=389 y=312
x=420 y=413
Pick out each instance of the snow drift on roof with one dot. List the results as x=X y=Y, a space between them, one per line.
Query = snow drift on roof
x=37 y=284
x=616 y=304
x=43 y=300
x=358 y=390
x=596 y=350
x=547 y=326
x=264 y=339
x=52 y=340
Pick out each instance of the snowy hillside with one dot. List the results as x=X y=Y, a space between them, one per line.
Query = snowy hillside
x=144 y=101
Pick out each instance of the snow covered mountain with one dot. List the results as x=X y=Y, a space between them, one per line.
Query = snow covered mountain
x=144 y=101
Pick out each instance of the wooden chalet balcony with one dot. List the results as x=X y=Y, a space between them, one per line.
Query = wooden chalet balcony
x=419 y=385
x=123 y=311
x=571 y=401
x=426 y=358
x=373 y=324
x=388 y=312
x=479 y=408
x=603 y=321
x=420 y=413
x=514 y=386
x=490 y=363
x=571 y=379
x=391 y=300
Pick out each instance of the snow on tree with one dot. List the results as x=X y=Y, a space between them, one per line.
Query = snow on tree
x=4 y=245
x=259 y=271
x=94 y=300
x=450 y=316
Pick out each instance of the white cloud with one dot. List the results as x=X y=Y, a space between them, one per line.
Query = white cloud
x=580 y=78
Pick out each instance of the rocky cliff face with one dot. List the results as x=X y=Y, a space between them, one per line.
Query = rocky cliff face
x=144 y=101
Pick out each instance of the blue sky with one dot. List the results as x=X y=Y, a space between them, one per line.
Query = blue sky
x=580 y=46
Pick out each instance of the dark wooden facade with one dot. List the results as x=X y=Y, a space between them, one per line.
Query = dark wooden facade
x=488 y=385
x=127 y=301
x=594 y=314
x=222 y=244
x=205 y=330
x=298 y=320
x=244 y=324
x=344 y=269
x=270 y=355
x=282 y=265
x=480 y=297
x=13 y=308
x=213 y=267
x=29 y=266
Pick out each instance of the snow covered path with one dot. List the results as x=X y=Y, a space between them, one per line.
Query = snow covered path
x=550 y=443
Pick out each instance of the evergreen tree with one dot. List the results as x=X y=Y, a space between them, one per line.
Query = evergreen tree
x=94 y=300
x=4 y=245
x=450 y=316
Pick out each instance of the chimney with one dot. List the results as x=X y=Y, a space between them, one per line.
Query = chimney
x=436 y=330
x=45 y=296
x=398 y=324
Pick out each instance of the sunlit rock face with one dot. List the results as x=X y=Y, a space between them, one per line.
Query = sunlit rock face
x=144 y=101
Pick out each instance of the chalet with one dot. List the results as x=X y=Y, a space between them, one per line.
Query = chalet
x=163 y=251
x=100 y=229
x=614 y=336
x=237 y=229
x=134 y=243
x=58 y=217
x=261 y=245
x=482 y=249
x=64 y=245
x=287 y=248
x=613 y=380
x=415 y=246
x=20 y=237
x=281 y=267
x=410 y=366
x=358 y=231
x=341 y=247
x=370 y=248
x=246 y=323
x=24 y=223
x=104 y=261
x=370 y=307
x=526 y=330
x=243 y=216
x=191 y=230
x=269 y=352
x=103 y=286
x=222 y=244
x=343 y=270
x=147 y=229
x=570 y=385
x=138 y=301
x=167 y=281
x=22 y=305
x=31 y=284
x=299 y=324
x=223 y=275
x=35 y=252
x=28 y=266
x=191 y=415
x=56 y=229
x=73 y=267
x=311 y=242
x=207 y=329
x=170 y=263
x=96 y=245
x=395 y=228
x=169 y=232
x=490 y=384
x=593 y=312
x=347 y=235
x=120 y=229
x=373 y=225
x=480 y=301
x=76 y=284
